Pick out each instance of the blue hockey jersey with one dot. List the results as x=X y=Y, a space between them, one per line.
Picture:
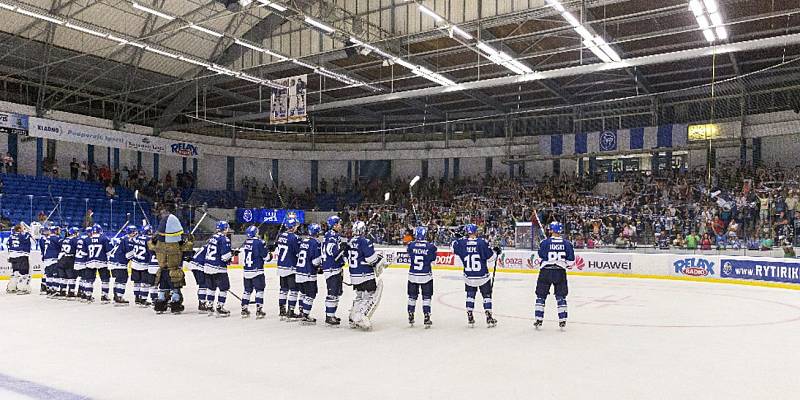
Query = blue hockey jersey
x=475 y=256
x=143 y=258
x=81 y=252
x=50 y=246
x=218 y=254
x=199 y=260
x=288 y=247
x=422 y=255
x=19 y=244
x=97 y=249
x=556 y=252
x=121 y=252
x=68 y=246
x=361 y=260
x=254 y=253
x=309 y=258
x=330 y=249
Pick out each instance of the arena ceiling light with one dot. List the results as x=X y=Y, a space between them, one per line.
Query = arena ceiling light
x=205 y=30
x=252 y=46
x=273 y=5
x=86 y=30
x=161 y=52
x=7 y=7
x=596 y=44
x=319 y=25
x=709 y=19
x=152 y=11
x=39 y=16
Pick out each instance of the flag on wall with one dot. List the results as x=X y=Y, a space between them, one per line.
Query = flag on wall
x=279 y=102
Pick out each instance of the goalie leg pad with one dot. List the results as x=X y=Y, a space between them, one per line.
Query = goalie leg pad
x=12 y=284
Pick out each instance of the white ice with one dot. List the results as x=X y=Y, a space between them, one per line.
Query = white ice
x=626 y=339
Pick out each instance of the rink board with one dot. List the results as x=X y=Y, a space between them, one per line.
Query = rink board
x=757 y=271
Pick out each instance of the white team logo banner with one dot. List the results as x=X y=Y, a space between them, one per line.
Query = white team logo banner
x=69 y=132
x=279 y=102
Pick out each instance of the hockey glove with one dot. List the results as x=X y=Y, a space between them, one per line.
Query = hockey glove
x=271 y=247
x=344 y=247
x=187 y=256
x=497 y=250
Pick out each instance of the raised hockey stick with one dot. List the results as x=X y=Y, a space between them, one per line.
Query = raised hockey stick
x=136 y=197
x=197 y=225
x=411 y=193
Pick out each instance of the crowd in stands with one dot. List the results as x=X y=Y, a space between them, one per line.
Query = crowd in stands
x=742 y=207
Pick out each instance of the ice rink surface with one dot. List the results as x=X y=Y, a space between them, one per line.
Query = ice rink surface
x=626 y=339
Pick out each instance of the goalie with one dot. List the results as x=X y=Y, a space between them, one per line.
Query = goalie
x=365 y=267
x=19 y=248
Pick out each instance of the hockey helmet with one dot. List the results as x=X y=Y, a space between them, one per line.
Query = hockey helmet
x=470 y=229
x=223 y=226
x=333 y=220
x=359 y=228
x=556 y=227
x=313 y=229
x=251 y=231
x=420 y=233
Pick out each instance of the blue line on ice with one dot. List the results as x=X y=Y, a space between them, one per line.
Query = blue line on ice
x=37 y=391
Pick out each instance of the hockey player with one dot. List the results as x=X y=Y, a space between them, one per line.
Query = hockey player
x=197 y=266
x=19 y=250
x=309 y=260
x=556 y=254
x=218 y=254
x=476 y=255
x=50 y=248
x=66 y=264
x=255 y=254
x=152 y=265
x=422 y=254
x=334 y=254
x=365 y=267
x=288 y=246
x=97 y=262
x=141 y=259
x=121 y=253
x=81 y=257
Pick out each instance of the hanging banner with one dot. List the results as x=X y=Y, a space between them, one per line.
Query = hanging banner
x=13 y=123
x=269 y=216
x=279 y=102
x=297 y=98
x=68 y=132
x=289 y=105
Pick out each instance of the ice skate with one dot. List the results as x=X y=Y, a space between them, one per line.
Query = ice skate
x=332 y=321
x=104 y=299
x=43 y=290
x=282 y=312
x=470 y=319
x=245 y=312
x=176 y=308
x=411 y=318
x=222 y=312
x=291 y=316
x=490 y=321
x=428 y=323
x=71 y=295
x=202 y=308
x=307 y=320
x=562 y=325
x=260 y=314
x=537 y=324
x=119 y=301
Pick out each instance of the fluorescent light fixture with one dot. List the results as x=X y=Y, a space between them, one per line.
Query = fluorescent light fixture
x=319 y=25
x=404 y=63
x=39 y=16
x=221 y=70
x=716 y=19
x=7 y=7
x=152 y=11
x=711 y=6
x=722 y=33
x=118 y=39
x=85 y=30
x=607 y=49
x=205 y=30
x=273 y=5
x=697 y=7
x=597 y=51
x=195 y=62
x=276 y=55
x=381 y=53
x=486 y=48
x=356 y=41
x=556 y=4
x=570 y=18
x=304 y=64
x=522 y=67
x=584 y=33
x=460 y=32
x=137 y=44
x=703 y=22
x=245 y=3
x=251 y=78
x=430 y=13
x=161 y=52
x=248 y=45
x=709 y=35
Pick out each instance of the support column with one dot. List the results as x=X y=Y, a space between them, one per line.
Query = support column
x=39 y=156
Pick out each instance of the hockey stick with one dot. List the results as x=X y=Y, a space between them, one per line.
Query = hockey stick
x=136 y=197
x=411 y=193
x=230 y=292
x=198 y=223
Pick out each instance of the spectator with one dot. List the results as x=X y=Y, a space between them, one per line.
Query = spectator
x=8 y=164
x=110 y=191
x=88 y=219
x=84 y=171
x=691 y=241
x=705 y=243
x=74 y=168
